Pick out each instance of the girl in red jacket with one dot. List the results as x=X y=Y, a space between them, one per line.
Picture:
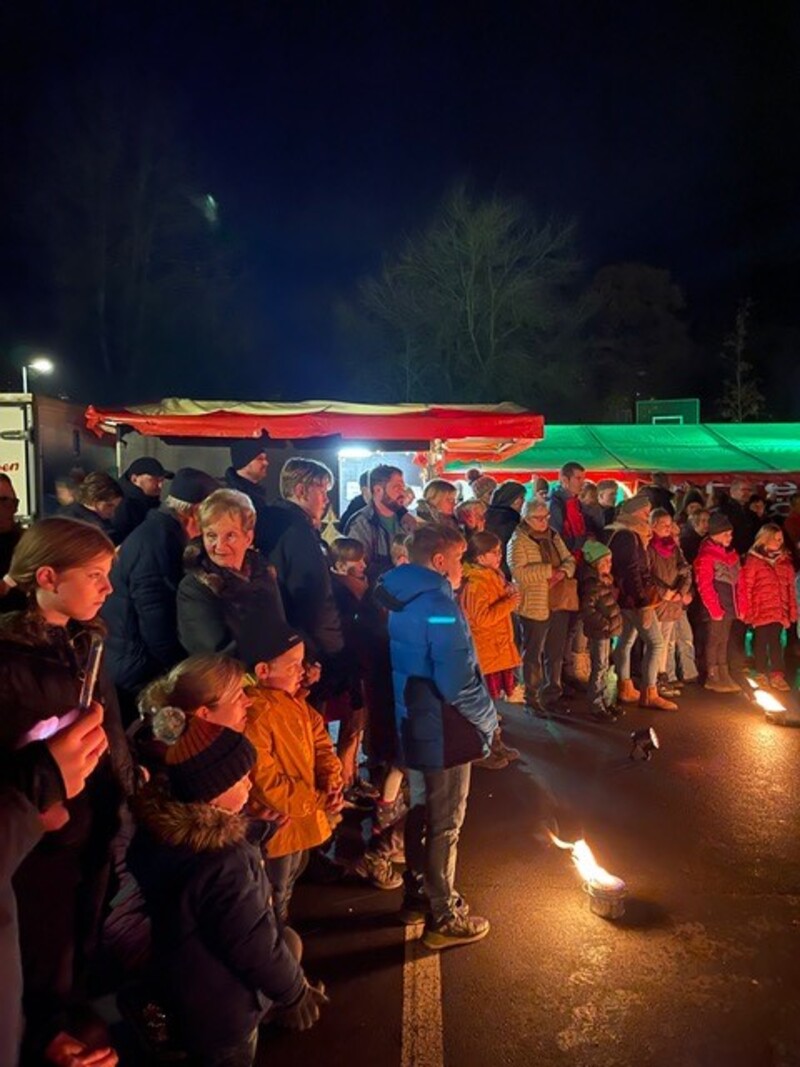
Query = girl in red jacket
x=716 y=573
x=768 y=602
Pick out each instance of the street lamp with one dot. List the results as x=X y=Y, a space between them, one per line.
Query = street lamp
x=40 y=365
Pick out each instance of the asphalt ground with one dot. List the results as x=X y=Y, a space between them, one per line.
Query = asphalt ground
x=703 y=968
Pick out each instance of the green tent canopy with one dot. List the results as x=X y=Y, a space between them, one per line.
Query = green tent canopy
x=718 y=448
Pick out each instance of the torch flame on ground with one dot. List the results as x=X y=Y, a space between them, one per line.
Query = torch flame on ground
x=766 y=701
x=588 y=868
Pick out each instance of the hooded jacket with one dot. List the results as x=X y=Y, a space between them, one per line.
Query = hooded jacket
x=141 y=613
x=766 y=589
x=214 y=603
x=488 y=610
x=716 y=573
x=132 y=509
x=366 y=527
x=219 y=958
x=295 y=767
x=599 y=609
x=445 y=716
x=628 y=540
x=532 y=559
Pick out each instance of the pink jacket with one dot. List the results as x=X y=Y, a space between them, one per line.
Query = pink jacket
x=716 y=572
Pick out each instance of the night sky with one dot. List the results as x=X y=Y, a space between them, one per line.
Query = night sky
x=328 y=132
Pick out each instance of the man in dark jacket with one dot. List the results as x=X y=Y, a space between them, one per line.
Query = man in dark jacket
x=141 y=486
x=248 y=470
x=568 y=517
x=377 y=524
x=445 y=719
x=358 y=503
x=502 y=516
x=288 y=535
x=745 y=523
x=141 y=611
x=659 y=493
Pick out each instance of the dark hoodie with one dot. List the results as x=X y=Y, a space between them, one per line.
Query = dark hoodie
x=219 y=958
x=445 y=716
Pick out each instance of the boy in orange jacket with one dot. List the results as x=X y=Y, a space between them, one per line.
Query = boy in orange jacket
x=297 y=772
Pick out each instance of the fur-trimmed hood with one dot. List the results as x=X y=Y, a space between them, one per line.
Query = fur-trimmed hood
x=197 y=827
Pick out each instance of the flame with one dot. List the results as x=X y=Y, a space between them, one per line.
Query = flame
x=767 y=701
x=588 y=868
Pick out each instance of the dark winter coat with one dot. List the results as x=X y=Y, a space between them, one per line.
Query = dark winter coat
x=141 y=614
x=600 y=611
x=502 y=521
x=367 y=528
x=14 y=600
x=660 y=497
x=631 y=565
x=215 y=603
x=358 y=503
x=745 y=523
x=256 y=492
x=132 y=510
x=669 y=573
x=30 y=783
x=78 y=511
x=219 y=958
x=766 y=590
x=40 y=678
x=445 y=716
x=690 y=541
x=295 y=549
x=716 y=573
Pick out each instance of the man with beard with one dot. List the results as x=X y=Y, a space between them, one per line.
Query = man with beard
x=376 y=525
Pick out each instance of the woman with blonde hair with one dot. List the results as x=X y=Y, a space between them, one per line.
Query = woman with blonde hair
x=438 y=503
x=209 y=686
x=62 y=568
x=228 y=584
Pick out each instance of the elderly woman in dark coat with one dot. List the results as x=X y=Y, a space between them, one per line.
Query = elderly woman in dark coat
x=228 y=584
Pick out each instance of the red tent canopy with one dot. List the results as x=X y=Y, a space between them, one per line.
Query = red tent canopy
x=487 y=430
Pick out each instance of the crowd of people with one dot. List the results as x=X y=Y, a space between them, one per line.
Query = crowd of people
x=264 y=689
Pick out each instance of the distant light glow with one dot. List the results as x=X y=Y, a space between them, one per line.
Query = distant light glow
x=355 y=452
x=42 y=365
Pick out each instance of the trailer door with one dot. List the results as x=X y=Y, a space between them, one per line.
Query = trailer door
x=18 y=452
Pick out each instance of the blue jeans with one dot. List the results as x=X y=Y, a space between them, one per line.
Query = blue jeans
x=680 y=651
x=282 y=873
x=445 y=795
x=633 y=626
x=600 y=653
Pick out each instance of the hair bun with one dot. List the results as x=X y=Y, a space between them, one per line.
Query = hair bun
x=167 y=724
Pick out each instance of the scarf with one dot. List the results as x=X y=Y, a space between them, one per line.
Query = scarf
x=664 y=546
x=574 y=520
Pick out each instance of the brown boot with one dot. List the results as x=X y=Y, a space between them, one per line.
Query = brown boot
x=627 y=693
x=653 y=699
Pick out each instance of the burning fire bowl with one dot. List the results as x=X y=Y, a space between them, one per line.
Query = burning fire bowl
x=607 y=899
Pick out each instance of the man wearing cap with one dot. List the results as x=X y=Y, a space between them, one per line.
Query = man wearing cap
x=141 y=491
x=141 y=613
x=248 y=470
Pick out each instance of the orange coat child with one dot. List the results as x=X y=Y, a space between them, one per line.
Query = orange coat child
x=297 y=773
x=488 y=602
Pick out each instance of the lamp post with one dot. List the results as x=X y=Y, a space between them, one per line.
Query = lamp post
x=40 y=365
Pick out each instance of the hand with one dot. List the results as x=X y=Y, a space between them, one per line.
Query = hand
x=77 y=748
x=514 y=594
x=557 y=576
x=66 y=1051
x=304 y=1013
x=263 y=811
x=334 y=800
x=313 y=673
x=687 y=598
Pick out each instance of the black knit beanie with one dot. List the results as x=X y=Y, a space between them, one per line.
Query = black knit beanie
x=206 y=760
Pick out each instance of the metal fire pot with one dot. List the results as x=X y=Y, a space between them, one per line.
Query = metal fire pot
x=607 y=900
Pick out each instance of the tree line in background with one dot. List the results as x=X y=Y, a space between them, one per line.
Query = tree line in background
x=139 y=278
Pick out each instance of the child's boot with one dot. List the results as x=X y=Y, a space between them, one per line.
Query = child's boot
x=777 y=680
x=628 y=693
x=651 y=698
x=727 y=681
